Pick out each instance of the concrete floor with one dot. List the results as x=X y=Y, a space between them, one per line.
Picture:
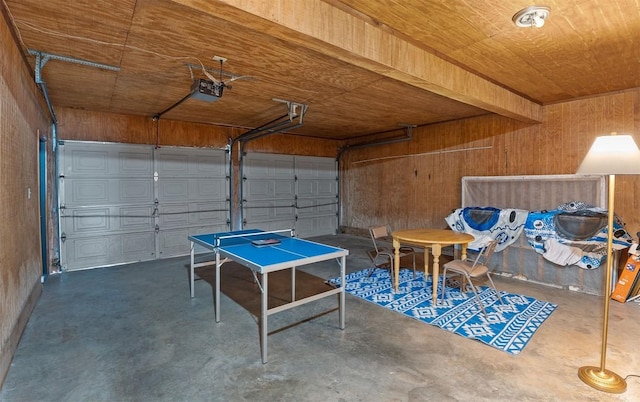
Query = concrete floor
x=131 y=333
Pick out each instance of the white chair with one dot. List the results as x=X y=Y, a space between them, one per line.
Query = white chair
x=472 y=270
x=384 y=257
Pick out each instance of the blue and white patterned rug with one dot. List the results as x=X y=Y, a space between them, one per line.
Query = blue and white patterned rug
x=507 y=327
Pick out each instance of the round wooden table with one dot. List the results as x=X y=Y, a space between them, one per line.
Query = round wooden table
x=428 y=238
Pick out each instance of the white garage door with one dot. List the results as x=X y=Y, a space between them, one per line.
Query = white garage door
x=316 y=196
x=285 y=191
x=268 y=191
x=123 y=203
x=193 y=188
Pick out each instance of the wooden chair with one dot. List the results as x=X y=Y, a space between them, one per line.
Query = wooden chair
x=384 y=257
x=472 y=270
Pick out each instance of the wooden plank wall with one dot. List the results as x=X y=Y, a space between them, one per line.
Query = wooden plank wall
x=80 y=125
x=421 y=185
x=21 y=120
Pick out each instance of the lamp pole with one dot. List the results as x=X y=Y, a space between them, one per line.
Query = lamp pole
x=600 y=377
x=609 y=155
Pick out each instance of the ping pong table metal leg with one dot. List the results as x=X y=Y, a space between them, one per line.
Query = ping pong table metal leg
x=341 y=302
x=217 y=295
x=293 y=283
x=191 y=280
x=263 y=316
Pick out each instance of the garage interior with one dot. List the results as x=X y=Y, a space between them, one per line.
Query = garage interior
x=327 y=116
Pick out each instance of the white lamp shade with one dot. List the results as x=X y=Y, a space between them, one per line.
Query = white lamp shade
x=612 y=154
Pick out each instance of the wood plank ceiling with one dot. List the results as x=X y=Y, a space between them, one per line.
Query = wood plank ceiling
x=361 y=66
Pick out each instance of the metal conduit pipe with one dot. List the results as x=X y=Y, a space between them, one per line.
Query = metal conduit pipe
x=43 y=57
x=383 y=141
x=40 y=62
x=51 y=56
x=260 y=135
x=260 y=129
x=54 y=119
x=272 y=130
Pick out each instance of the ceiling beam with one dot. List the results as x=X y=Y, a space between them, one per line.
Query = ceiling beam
x=317 y=25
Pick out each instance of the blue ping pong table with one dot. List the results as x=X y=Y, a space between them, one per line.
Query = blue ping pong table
x=288 y=253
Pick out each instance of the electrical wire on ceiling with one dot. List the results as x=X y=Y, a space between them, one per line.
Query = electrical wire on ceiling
x=210 y=90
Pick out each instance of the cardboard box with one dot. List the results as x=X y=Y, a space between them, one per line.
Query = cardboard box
x=628 y=279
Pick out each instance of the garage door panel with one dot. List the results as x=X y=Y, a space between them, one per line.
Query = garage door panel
x=306 y=188
x=106 y=191
x=282 y=166
x=87 y=220
x=96 y=251
x=123 y=203
x=193 y=188
x=192 y=214
x=135 y=163
x=307 y=227
x=174 y=215
x=317 y=202
x=258 y=211
x=284 y=189
x=328 y=206
x=136 y=218
x=84 y=221
x=271 y=182
x=313 y=167
x=91 y=159
x=84 y=192
x=265 y=210
x=208 y=189
x=326 y=188
x=271 y=225
x=91 y=248
x=306 y=207
x=172 y=164
x=268 y=166
x=138 y=245
x=317 y=188
x=174 y=242
x=133 y=191
x=317 y=217
x=88 y=162
x=213 y=213
x=208 y=165
x=182 y=162
x=269 y=189
x=171 y=190
x=185 y=190
x=258 y=190
x=318 y=206
x=268 y=177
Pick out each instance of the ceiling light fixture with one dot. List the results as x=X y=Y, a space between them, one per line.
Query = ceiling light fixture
x=531 y=17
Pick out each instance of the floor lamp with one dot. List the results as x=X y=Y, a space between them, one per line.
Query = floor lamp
x=609 y=155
